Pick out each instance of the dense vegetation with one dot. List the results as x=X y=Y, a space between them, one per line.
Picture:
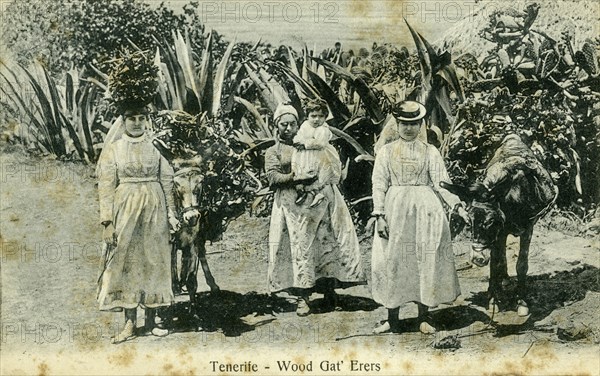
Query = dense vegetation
x=541 y=86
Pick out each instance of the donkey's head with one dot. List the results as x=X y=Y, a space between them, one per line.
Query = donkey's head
x=188 y=181
x=486 y=219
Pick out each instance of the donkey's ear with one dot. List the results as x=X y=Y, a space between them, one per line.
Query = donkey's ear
x=463 y=192
x=162 y=149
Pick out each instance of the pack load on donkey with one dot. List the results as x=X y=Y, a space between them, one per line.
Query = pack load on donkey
x=509 y=197
x=212 y=187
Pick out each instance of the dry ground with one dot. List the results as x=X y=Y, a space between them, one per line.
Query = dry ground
x=50 y=322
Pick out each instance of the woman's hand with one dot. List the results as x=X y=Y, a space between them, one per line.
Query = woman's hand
x=109 y=235
x=173 y=222
x=382 y=228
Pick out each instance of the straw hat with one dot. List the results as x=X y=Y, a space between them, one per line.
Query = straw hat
x=409 y=111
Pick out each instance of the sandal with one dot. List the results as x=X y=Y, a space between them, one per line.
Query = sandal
x=126 y=334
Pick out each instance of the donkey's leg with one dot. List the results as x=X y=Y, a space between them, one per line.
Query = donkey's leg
x=502 y=264
x=175 y=282
x=192 y=276
x=498 y=270
x=522 y=268
x=186 y=261
x=210 y=280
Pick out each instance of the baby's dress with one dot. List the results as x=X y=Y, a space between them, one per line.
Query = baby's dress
x=319 y=158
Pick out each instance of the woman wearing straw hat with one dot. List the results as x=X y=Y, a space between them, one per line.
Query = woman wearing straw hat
x=412 y=258
x=310 y=249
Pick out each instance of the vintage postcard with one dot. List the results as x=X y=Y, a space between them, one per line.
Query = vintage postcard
x=315 y=187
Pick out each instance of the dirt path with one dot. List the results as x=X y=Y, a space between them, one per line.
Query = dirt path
x=50 y=322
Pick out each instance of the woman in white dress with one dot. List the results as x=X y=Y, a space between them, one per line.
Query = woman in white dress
x=412 y=258
x=311 y=249
x=136 y=206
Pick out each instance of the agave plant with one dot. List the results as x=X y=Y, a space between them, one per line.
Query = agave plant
x=188 y=82
x=61 y=119
x=438 y=81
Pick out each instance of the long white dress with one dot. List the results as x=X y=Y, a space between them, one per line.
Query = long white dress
x=132 y=180
x=306 y=244
x=416 y=263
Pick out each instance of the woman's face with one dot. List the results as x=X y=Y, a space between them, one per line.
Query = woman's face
x=135 y=125
x=409 y=130
x=287 y=125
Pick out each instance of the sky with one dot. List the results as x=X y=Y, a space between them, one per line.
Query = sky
x=354 y=23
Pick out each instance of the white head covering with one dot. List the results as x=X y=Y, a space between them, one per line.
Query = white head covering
x=114 y=133
x=284 y=109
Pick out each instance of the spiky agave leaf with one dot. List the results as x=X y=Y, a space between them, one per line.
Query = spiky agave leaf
x=55 y=134
x=362 y=153
x=164 y=86
x=279 y=93
x=184 y=55
x=61 y=119
x=338 y=109
x=174 y=78
x=364 y=91
x=220 y=78
x=206 y=77
x=259 y=120
x=42 y=133
x=266 y=94
x=87 y=109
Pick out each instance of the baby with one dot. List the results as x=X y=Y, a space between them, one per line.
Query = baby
x=315 y=157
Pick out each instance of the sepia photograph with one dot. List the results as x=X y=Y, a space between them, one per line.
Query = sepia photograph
x=286 y=187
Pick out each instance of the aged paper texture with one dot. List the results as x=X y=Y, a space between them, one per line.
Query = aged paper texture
x=540 y=58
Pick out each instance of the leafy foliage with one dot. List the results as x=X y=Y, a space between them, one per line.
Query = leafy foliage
x=133 y=82
x=538 y=87
x=229 y=184
x=66 y=33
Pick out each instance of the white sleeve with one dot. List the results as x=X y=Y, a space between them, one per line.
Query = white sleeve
x=438 y=173
x=107 y=183
x=380 y=180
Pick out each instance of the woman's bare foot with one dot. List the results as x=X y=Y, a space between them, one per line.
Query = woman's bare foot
x=126 y=333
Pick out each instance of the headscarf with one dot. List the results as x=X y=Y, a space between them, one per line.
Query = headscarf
x=284 y=109
x=114 y=133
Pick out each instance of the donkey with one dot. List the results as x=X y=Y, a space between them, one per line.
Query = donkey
x=512 y=194
x=188 y=179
